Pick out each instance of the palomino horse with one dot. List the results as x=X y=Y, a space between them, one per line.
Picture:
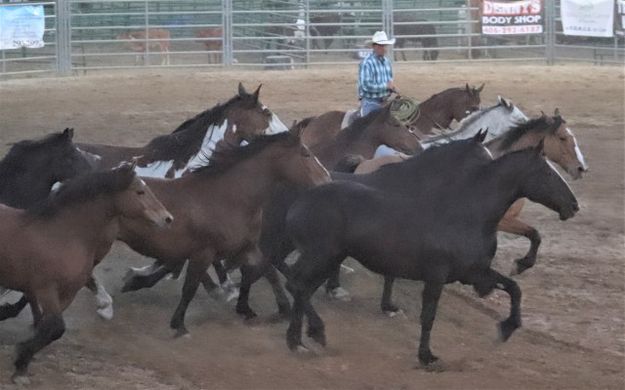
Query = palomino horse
x=218 y=209
x=437 y=112
x=419 y=232
x=560 y=146
x=242 y=117
x=49 y=250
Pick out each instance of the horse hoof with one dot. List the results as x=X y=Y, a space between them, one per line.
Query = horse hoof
x=520 y=266
x=182 y=332
x=301 y=350
x=232 y=294
x=340 y=294
x=106 y=313
x=394 y=313
x=20 y=380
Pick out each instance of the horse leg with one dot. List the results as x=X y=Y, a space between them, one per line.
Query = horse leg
x=102 y=297
x=134 y=281
x=284 y=306
x=50 y=328
x=229 y=287
x=12 y=310
x=386 y=304
x=430 y=297
x=195 y=272
x=333 y=286
x=510 y=324
x=249 y=275
x=515 y=226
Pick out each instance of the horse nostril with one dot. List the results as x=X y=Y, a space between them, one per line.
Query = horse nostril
x=576 y=207
x=169 y=220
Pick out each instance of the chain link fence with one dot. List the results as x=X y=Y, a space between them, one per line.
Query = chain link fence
x=88 y=35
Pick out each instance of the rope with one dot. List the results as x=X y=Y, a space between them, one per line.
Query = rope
x=405 y=109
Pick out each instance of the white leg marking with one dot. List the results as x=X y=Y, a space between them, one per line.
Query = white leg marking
x=104 y=302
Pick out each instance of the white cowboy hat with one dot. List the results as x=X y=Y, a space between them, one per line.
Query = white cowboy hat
x=380 y=38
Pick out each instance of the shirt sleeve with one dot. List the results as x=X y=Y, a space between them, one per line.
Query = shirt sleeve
x=367 y=81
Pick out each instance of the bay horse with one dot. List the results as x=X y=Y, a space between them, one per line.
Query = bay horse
x=49 y=250
x=240 y=119
x=212 y=39
x=218 y=209
x=362 y=137
x=560 y=147
x=419 y=234
x=437 y=112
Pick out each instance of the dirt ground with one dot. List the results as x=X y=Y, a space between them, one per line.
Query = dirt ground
x=573 y=333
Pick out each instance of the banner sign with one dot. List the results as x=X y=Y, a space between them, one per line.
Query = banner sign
x=588 y=18
x=620 y=17
x=21 y=26
x=512 y=17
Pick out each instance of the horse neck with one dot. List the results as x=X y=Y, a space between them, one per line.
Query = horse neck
x=22 y=189
x=434 y=113
x=363 y=143
x=246 y=185
x=527 y=140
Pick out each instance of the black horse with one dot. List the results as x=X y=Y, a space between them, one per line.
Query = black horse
x=437 y=233
x=31 y=167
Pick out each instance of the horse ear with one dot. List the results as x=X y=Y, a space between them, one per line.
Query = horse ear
x=480 y=88
x=540 y=148
x=242 y=91
x=295 y=130
x=467 y=88
x=69 y=133
x=480 y=136
x=556 y=112
x=257 y=92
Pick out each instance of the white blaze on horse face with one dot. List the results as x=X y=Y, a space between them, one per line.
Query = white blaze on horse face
x=578 y=152
x=56 y=186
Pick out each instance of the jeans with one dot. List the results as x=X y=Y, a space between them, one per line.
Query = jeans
x=369 y=105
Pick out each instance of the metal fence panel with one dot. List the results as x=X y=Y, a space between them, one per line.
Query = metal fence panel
x=84 y=35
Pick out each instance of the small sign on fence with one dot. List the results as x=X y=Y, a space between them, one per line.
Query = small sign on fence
x=515 y=17
x=21 y=26
x=620 y=18
x=588 y=18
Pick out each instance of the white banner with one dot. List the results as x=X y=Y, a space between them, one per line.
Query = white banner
x=620 y=15
x=588 y=18
x=21 y=26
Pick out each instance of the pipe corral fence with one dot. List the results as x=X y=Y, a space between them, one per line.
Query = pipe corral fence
x=88 y=35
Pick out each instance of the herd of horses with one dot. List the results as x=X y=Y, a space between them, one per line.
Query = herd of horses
x=233 y=187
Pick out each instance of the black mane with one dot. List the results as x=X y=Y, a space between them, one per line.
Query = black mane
x=83 y=188
x=16 y=157
x=222 y=160
x=542 y=124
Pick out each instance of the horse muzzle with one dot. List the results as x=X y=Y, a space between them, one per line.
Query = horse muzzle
x=569 y=212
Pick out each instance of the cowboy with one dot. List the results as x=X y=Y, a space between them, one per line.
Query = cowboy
x=375 y=75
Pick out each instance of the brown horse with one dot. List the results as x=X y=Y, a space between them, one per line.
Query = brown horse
x=49 y=250
x=437 y=112
x=560 y=146
x=242 y=118
x=218 y=209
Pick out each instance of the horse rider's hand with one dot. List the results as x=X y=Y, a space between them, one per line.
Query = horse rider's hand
x=391 y=86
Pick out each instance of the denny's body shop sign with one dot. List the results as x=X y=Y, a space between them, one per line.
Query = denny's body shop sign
x=514 y=17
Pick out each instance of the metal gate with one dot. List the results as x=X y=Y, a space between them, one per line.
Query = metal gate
x=88 y=35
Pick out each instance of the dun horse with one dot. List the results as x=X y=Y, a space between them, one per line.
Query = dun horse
x=437 y=112
x=218 y=209
x=419 y=234
x=63 y=238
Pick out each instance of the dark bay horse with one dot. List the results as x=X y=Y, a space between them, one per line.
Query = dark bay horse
x=421 y=234
x=560 y=146
x=437 y=112
x=218 y=209
x=32 y=167
x=49 y=250
x=241 y=118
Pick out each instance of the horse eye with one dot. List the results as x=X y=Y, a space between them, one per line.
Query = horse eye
x=562 y=138
x=141 y=192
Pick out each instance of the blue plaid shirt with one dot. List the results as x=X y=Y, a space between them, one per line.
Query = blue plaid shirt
x=373 y=76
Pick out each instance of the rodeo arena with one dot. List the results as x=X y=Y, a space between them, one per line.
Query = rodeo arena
x=312 y=194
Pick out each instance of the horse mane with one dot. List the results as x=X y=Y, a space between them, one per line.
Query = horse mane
x=542 y=124
x=222 y=160
x=354 y=130
x=304 y=123
x=474 y=116
x=14 y=159
x=82 y=189
x=186 y=140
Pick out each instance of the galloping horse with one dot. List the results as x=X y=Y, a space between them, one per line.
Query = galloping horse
x=437 y=112
x=419 y=232
x=49 y=250
x=239 y=119
x=218 y=209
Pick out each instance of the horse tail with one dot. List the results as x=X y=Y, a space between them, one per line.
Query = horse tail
x=349 y=163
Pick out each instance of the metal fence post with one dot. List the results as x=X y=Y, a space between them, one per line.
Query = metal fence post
x=227 y=46
x=387 y=21
x=307 y=31
x=550 y=31
x=63 y=38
